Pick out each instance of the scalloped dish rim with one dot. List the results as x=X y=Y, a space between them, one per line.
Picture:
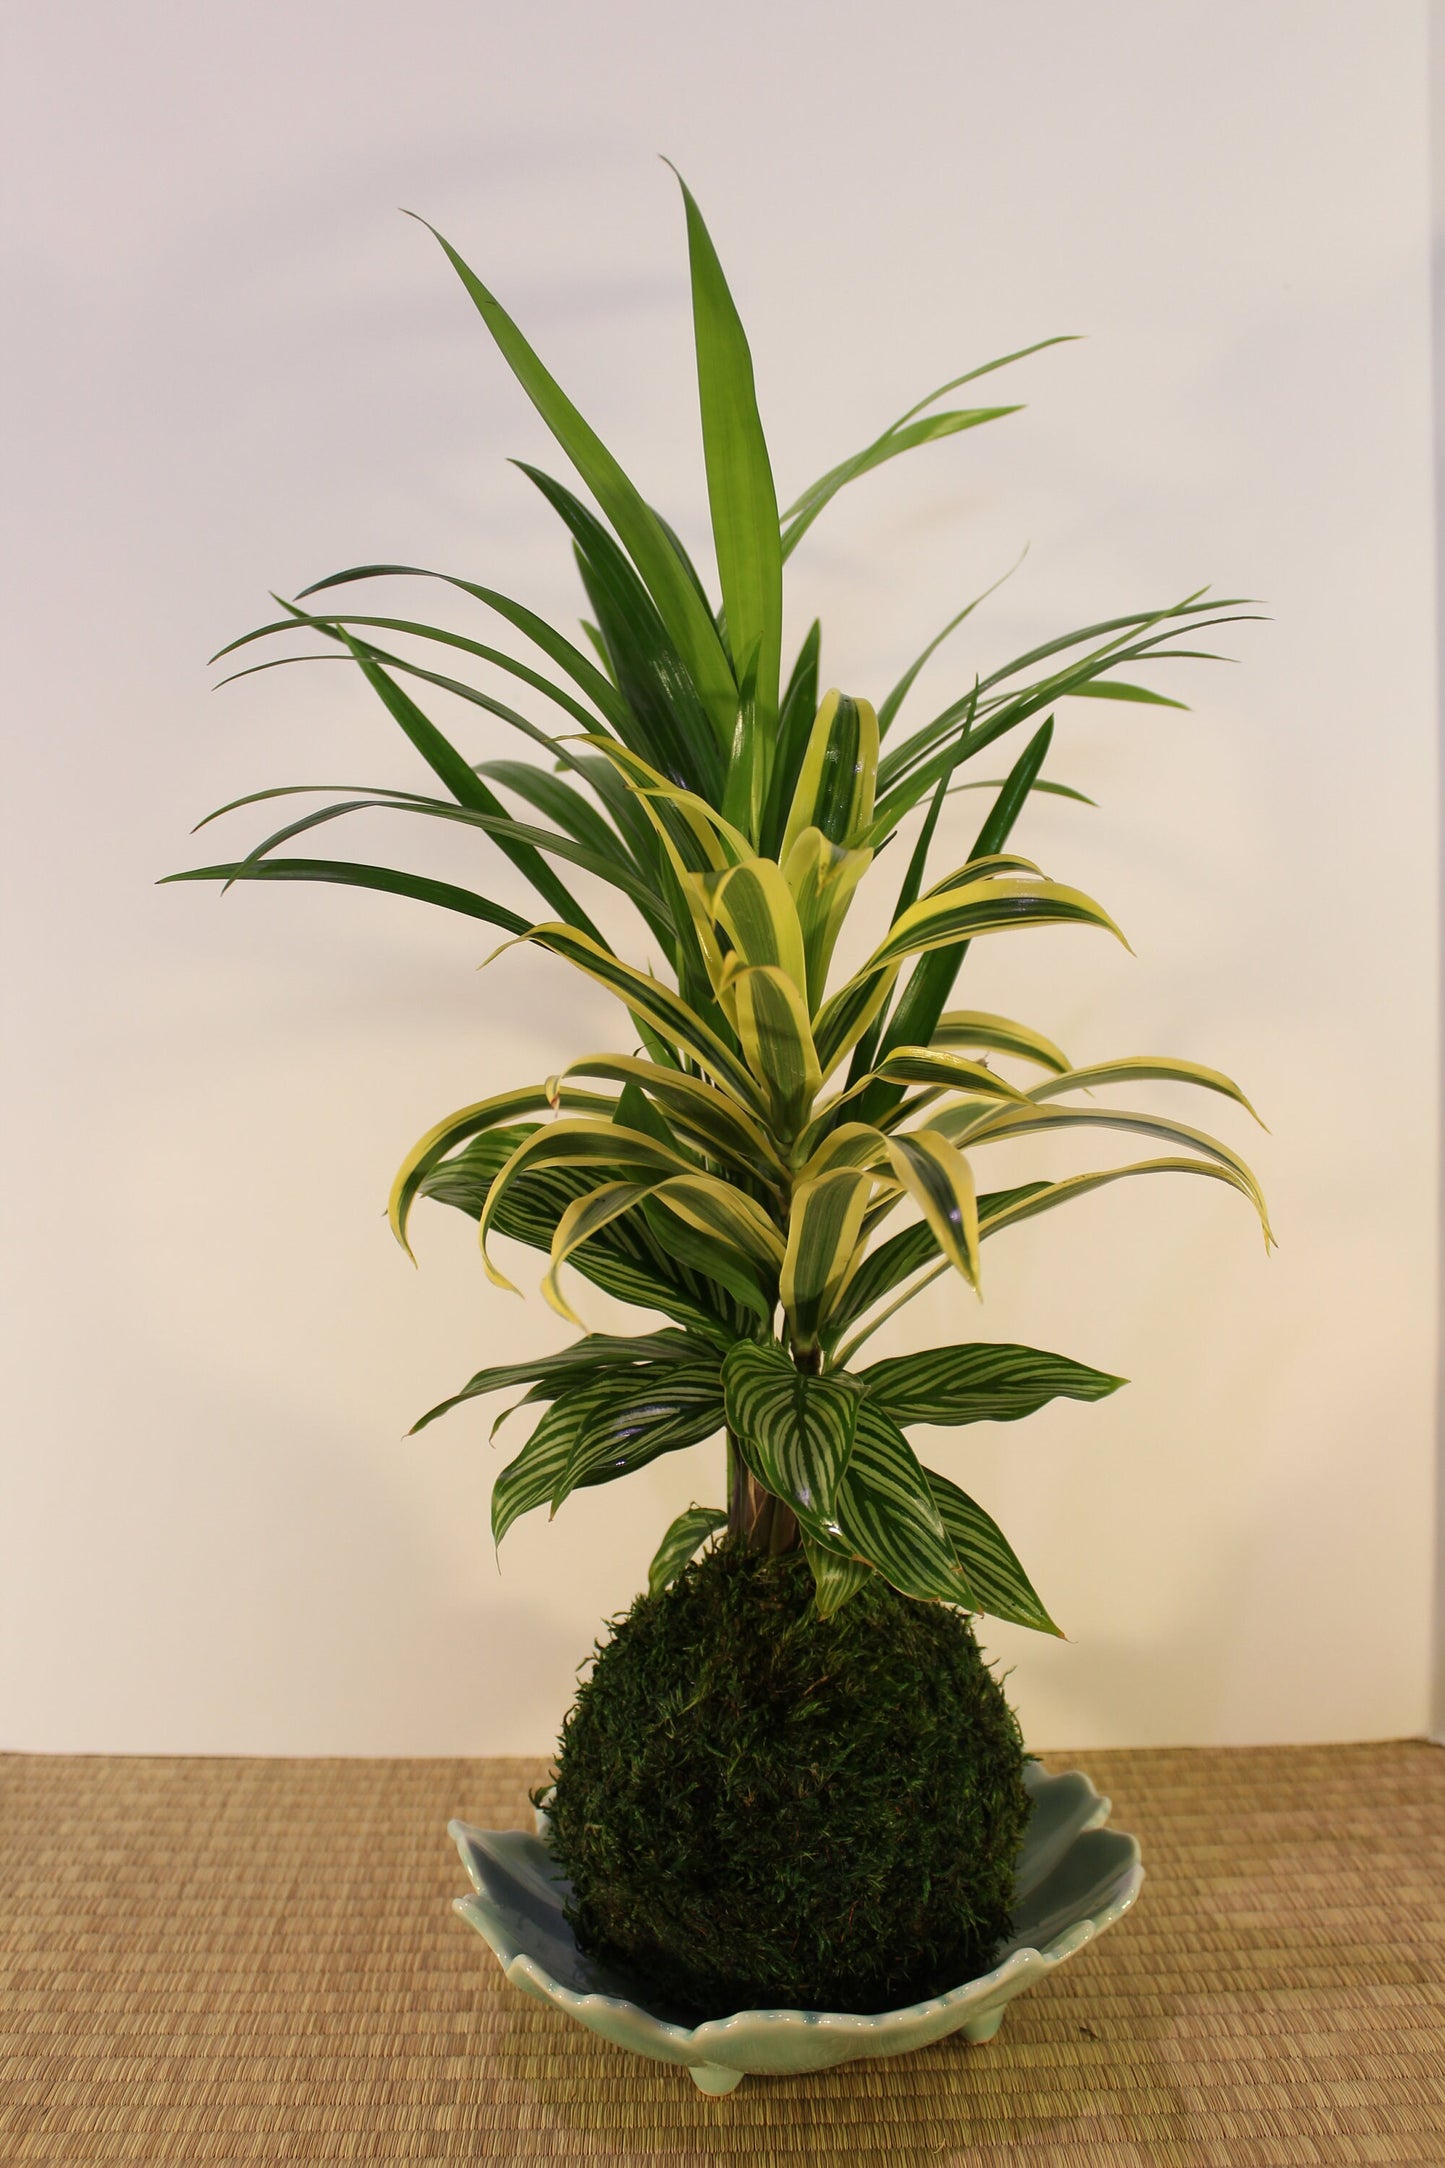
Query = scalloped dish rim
x=719 y=2052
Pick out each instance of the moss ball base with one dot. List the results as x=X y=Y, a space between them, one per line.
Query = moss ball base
x=757 y=1807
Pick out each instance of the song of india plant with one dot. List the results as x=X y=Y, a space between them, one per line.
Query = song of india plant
x=772 y=1160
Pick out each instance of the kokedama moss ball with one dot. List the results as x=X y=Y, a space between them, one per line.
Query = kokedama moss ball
x=757 y=1807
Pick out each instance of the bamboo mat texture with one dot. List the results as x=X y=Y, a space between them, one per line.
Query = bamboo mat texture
x=211 y=1961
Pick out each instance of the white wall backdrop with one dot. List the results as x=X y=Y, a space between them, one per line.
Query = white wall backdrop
x=234 y=367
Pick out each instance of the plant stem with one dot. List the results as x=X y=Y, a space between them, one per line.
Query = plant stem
x=755 y=1517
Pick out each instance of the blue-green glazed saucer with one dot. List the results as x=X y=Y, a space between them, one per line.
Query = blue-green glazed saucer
x=1075 y=1878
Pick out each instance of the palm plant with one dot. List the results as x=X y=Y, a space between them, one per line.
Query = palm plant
x=742 y=1167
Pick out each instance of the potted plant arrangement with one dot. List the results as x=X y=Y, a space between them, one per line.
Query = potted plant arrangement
x=792 y=1818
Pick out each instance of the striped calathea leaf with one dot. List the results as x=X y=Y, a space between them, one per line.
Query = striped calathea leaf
x=776 y=1156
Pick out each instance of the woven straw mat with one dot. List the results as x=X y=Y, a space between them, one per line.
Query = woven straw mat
x=212 y=1961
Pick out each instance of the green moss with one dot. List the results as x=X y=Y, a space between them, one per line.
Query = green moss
x=757 y=1807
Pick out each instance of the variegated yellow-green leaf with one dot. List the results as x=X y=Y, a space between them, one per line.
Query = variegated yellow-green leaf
x=995 y=1124
x=585 y=1217
x=823 y=1229
x=993 y=1580
x=945 y=1072
x=607 y=1146
x=668 y=1014
x=721 y=842
x=1140 y=1069
x=840 y=768
x=991 y=905
x=978 y=1027
x=1036 y=1197
x=684 y=1539
x=851 y=1144
x=846 y=1015
x=776 y=1038
x=756 y=911
x=936 y=1175
x=821 y=877
x=456 y=1129
x=794 y=1431
x=726 y=1213
x=702 y=1113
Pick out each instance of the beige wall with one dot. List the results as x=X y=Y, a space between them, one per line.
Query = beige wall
x=238 y=368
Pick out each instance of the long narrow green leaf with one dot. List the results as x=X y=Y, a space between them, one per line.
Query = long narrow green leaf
x=1114 y=689
x=741 y=495
x=562 y=804
x=345 y=874
x=465 y=785
x=516 y=837
x=644 y=539
x=666 y=720
x=999 y=711
x=795 y=725
x=583 y=672
x=334 y=626
x=904 y=438
x=888 y=710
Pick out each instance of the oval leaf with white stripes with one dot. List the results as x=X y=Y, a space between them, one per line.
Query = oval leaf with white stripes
x=684 y=1539
x=994 y=1580
x=979 y=1383
x=836 y=1577
x=794 y=1431
x=889 y=1517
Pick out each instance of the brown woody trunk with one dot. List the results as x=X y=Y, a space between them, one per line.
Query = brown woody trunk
x=756 y=1518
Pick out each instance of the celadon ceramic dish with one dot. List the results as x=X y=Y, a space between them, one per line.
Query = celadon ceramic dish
x=1075 y=1878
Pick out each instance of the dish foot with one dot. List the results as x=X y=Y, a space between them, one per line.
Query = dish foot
x=712 y=2078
